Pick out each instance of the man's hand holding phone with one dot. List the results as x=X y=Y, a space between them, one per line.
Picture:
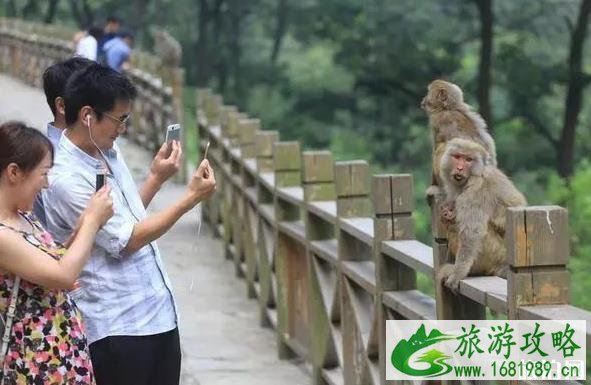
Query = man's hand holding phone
x=167 y=161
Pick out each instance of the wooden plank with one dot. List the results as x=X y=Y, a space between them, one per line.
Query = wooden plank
x=352 y=178
x=236 y=154
x=363 y=273
x=272 y=316
x=411 y=304
x=326 y=210
x=488 y=291
x=267 y=210
x=294 y=195
x=264 y=142
x=360 y=228
x=236 y=181
x=216 y=131
x=297 y=347
x=251 y=194
x=326 y=249
x=317 y=166
x=251 y=166
x=268 y=180
x=537 y=236
x=257 y=289
x=333 y=376
x=286 y=156
x=412 y=253
x=295 y=230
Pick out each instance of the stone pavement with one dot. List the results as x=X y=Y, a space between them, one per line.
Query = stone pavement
x=221 y=339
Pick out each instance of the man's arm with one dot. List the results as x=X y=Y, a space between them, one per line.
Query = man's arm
x=163 y=167
x=201 y=186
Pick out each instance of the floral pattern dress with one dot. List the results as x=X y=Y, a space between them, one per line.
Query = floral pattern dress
x=47 y=344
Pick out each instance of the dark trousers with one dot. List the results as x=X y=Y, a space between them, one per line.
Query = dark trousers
x=137 y=360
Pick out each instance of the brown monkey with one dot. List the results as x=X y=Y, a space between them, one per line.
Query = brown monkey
x=450 y=117
x=477 y=197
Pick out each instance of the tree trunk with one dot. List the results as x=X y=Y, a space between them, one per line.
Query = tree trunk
x=236 y=14
x=220 y=56
x=574 y=98
x=202 y=45
x=140 y=9
x=484 y=71
x=76 y=13
x=280 y=30
x=31 y=9
x=10 y=8
x=51 y=8
x=88 y=14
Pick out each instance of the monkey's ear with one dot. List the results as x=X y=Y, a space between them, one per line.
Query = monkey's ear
x=442 y=97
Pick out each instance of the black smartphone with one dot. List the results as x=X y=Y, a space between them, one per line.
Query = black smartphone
x=100 y=181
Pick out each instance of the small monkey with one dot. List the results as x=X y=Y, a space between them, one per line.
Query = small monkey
x=477 y=197
x=450 y=117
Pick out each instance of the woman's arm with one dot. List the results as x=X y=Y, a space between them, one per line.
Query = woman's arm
x=27 y=261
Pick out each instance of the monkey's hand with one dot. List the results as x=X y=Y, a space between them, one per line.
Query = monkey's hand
x=447 y=211
x=431 y=192
x=451 y=275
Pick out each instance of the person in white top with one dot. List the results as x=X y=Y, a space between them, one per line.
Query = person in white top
x=87 y=43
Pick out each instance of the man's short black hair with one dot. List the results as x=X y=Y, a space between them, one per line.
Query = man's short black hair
x=56 y=76
x=96 y=86
x=113 y=19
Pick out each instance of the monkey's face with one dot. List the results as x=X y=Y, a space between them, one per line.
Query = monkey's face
x=462 y=164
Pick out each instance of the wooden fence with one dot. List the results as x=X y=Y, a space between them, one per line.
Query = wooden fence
x=27 y=49
x=330 y=253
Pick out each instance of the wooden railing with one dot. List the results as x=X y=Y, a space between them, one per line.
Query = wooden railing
x=27 y=49
x=330 y=252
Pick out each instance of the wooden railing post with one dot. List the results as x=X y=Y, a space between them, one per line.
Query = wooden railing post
x=263 y=142
x=233 y=127
x=358 y=318
x=318 y=185
x=538 y=253
x=287 y=166
x=352 y=189
x=449 y=305
x=225 y=112
x=318 y=177
x=246 y=134
x=393 y=203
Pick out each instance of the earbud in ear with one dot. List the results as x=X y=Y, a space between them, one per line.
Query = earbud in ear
x=88 y=119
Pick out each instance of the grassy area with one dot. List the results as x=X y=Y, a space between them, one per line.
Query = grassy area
x=190 y=123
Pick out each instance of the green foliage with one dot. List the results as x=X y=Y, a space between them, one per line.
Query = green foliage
x=578 y=200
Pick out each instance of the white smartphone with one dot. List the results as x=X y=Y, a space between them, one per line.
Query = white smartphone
x=173 y=132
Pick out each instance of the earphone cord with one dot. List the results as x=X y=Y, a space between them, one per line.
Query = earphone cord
x=93 y=142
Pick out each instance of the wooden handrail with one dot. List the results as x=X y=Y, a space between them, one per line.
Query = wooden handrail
x=336 y=255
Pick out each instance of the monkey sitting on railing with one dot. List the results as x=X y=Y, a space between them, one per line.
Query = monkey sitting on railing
x=477 y=197
x=450 y=117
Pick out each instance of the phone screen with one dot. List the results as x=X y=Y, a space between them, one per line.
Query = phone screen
x=173 y=132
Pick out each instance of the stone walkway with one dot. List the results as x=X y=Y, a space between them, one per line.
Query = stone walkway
x=221 y=339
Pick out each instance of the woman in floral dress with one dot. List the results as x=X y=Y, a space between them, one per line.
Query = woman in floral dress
x=47 y=344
